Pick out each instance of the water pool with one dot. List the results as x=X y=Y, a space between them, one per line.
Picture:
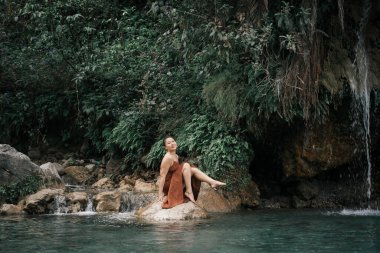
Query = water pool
x=243 y=231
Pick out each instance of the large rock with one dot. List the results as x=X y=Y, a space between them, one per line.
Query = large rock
x=9 y=209
x=214 y=201
x=319 y=149
x=76 y=201
x=15 y=166
x=50 y=175
x=41 y=202
x=142 y=186
x=104 y=183
x=76 y=175
x=132 y=201
x=109 y=201
x=218 y=201
x=155 y=213
x=250 y=195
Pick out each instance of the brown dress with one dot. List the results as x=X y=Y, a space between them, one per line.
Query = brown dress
x=174 y=187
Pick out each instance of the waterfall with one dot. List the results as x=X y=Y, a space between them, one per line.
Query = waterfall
x=60 y=204
x=89 y=207
x=361 y=89
x=341 y=13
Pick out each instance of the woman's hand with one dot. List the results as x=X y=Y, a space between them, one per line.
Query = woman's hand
x=162 y=198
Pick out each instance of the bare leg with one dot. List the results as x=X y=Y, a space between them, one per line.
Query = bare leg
x=204 y=178
x=186 y=174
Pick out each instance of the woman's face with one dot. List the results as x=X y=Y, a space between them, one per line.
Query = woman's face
x=170 y=144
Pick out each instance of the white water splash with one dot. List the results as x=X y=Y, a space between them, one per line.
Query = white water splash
x=357 y=212
x=121 y=216
x=60 y=207
x=84 y=213
x=89 y=210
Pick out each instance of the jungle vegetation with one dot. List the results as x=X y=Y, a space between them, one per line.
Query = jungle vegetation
x=123 y=74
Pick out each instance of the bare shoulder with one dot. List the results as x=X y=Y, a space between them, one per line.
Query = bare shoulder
x=167 y=160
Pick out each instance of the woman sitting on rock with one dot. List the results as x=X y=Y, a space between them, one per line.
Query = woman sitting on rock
x=173 y=174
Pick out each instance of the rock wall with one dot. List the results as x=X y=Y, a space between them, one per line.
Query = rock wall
x=325 y=165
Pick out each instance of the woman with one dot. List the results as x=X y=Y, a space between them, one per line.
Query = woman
x=173 y=174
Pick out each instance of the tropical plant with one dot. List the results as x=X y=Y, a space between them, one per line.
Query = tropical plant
x=13 y=192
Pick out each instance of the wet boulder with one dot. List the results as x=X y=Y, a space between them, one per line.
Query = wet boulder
x=76 y=201
x=15 y=166
x=9 y=209
x=50 y=175
x=41 y=202
x=109 y=201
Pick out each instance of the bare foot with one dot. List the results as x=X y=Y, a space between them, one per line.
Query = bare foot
x=217 y=184
x=190 y=196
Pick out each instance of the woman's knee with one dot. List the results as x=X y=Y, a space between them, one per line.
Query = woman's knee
x=194 y=170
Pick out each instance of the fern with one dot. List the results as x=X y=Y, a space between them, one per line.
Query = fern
x=133 y=134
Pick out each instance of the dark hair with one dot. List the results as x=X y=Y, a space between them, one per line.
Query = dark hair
x=166 y=136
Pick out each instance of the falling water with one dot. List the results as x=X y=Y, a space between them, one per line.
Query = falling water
x=341 y=13
x=60 y=204
x=89 y=206
x=361 y=89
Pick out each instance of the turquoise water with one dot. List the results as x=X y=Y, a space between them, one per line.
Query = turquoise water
x=243 y=231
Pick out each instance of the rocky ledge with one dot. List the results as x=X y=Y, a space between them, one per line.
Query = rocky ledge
x=77 y=186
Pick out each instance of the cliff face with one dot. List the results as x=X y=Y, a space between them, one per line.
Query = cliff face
x=333 y=156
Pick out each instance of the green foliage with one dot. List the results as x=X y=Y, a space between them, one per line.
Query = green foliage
x=27 y=116
x=122 y=73
x=222 y=93
x=155 y=155
x=13 y=192
x=254 y=101
x=133 y=134
x=219 y=150
x=77 y=62
x=228 y=158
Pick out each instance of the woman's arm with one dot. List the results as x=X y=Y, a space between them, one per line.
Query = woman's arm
x=164 y=168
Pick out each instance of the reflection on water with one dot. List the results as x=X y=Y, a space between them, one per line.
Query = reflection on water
x=245 y=231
